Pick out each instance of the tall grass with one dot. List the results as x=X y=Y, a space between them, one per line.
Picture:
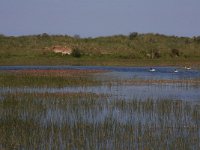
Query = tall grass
x=89 y=121
x=15 y=79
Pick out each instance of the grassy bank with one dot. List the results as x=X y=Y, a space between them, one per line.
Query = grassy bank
x=96 y=61
x=118 y=50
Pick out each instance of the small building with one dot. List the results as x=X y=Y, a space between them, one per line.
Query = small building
x=62 y=49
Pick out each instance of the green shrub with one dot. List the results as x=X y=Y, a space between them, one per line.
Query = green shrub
x=133 y=35
x=76 y=52
x=157 y=54
x=175 y=52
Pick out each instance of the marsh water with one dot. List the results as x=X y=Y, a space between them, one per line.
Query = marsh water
x=128 y=110
x=113 y=75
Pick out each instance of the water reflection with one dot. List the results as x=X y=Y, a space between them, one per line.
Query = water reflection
x=63 y=122
x=152 y=91
x=123 y=72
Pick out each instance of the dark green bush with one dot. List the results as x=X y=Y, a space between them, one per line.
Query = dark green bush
x=197 y=39
x=175 y=52
x=157 y=54
x=133 y=35
x=76 y=52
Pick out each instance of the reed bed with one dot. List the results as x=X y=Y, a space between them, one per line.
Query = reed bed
x=85 y=120
x=138 y=81
x=96 y=121
x=47 y=78
x=163 y=81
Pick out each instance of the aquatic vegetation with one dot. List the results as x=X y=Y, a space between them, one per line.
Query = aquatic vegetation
x=62 y=110
x=46 y=78
x=90 y=121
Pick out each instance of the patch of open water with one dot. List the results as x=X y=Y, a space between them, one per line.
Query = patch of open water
x=123 y=72
x=145 y=91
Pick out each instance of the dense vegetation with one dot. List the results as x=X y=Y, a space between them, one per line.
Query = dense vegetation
x=111 y=50
x=89 y=121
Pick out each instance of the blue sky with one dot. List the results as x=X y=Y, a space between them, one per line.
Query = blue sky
x=91 y=18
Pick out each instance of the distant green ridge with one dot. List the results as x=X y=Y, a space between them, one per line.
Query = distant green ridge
x=37 y=49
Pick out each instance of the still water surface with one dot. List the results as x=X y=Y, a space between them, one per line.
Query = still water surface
x=175 y=91
x=123 y=72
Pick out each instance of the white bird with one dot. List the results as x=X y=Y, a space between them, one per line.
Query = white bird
x=175 y=70
x=152 y=70
x=188 y=68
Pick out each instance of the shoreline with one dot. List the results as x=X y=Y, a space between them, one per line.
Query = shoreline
x=194 y=63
